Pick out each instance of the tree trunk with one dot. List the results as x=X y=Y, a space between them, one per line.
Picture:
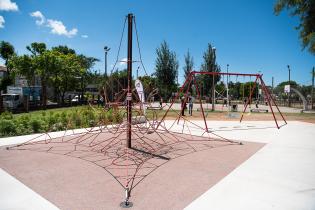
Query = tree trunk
x=1 y=103
x=44 y=94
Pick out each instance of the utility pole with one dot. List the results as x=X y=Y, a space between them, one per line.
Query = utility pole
x=289 y=96
x=213 y=84
x=312 y=94
x=129 y=74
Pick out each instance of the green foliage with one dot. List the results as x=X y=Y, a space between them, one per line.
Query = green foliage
x=59 y=67
x=118 y=118
x=37 y=125
x=209 y=65
x=7 y=127
x=189 y=64
x=49 y=121
x=305 y=11
x=166 y=70
x=36 y=48
x=6 y=115
x=6 y=52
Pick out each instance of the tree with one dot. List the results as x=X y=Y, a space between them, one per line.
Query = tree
x=63 y=49
x=37 y=67
x=209 y=65
x=189 y=64
x=23 y=65
x=305 y=10
x=166 y=70
x=36 y=48
x=6 y=52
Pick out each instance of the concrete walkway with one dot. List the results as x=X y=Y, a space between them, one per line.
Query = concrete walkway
x=279 y=176
x=17 y=196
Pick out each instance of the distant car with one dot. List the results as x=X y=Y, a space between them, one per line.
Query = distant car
x=75 y=99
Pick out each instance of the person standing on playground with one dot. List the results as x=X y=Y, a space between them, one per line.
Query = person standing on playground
x=191 y=104
x=183 y=106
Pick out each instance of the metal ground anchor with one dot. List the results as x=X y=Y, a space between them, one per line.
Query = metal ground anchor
x=126 y=203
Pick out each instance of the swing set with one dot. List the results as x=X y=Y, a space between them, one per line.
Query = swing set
x=191 y=80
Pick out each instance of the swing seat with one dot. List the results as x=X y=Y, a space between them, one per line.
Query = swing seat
x=154 y=108
x=259 y=110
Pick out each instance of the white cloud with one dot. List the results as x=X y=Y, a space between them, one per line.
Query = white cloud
x=39 y=16
x=2 y=22
x=58 y=28
x=7 y=5
x=84 y=36
x=123 y=62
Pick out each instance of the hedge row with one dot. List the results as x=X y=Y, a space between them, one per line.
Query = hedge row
x=48 y=121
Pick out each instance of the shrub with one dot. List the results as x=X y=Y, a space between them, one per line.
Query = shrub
x=118 y=117
x=64 y=118
x=109 y=115
x=58 y=127
x=6 y=115
x=7 y=127
x=23 y=125
x=51 y=120
x=37 y=125
x=76 y=118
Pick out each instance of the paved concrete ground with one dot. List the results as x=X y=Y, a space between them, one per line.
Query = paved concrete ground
x=68 y=178
x=279 y=176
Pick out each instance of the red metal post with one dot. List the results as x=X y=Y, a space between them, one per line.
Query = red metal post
x=176 y=97
x=269 y=98
x=249 y=99
x=202 y=111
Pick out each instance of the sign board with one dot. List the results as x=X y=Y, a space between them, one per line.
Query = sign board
x=140 y=91
x=129 y=97
x=259 y=91
x=287 y=88
x=14 y=90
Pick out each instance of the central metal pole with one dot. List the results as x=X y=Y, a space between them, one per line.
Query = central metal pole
x=129 y=75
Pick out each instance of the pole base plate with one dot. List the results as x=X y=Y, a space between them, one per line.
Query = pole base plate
x=125 y=204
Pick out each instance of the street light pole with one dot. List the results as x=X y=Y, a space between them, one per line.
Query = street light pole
x=213 y=87
x=272 y=85
x=289 y=85
x=312 y=94
x=106 y=49
x=227 y=85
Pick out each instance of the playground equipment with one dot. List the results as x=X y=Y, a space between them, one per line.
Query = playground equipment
x=127 y=149
x=191 y=79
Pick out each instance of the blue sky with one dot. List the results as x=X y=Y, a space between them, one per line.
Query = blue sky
x=246 y=33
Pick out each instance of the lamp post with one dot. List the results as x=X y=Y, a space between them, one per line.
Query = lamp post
x=106 y=49
x=213 y=84
x=227 y=85
x=312 y=94
x=289 y=96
